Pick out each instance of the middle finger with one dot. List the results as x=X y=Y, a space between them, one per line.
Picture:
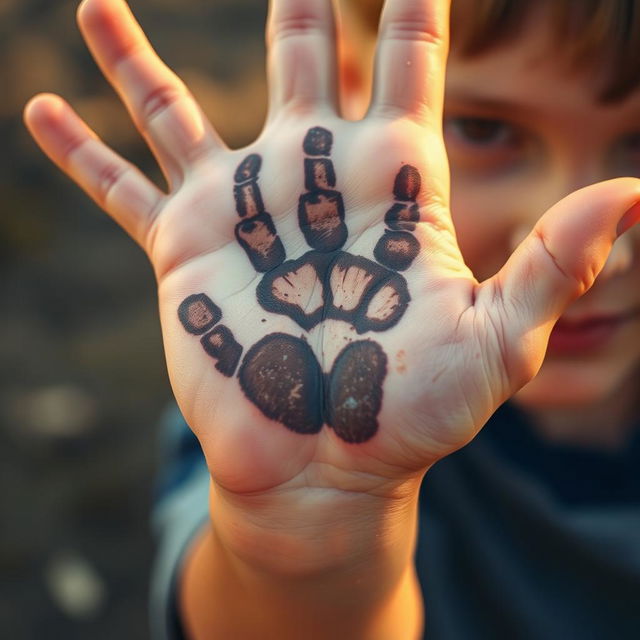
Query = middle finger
x=301 y=37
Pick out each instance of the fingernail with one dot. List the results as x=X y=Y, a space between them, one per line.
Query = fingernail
x=630 y=218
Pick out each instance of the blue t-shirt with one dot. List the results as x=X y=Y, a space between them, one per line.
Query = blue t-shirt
x=518 y=538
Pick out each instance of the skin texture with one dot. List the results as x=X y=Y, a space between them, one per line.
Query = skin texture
x=282 y=377
x=198 y=313
x=281 y=374
x=319 y=532
x=354 y=390
x=556 y=139
x=256 y=233
x=474 y=343
x=398 y=248
x=522 y=130
x=223 y=348
x=321 y=209
x=337 y=285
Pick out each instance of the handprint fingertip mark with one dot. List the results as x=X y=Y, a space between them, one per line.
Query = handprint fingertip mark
x=199 y=315
x=248 y=168
x=246 y=191
x=319 y=174
x=321 y=210
x=407 y=183
x=222 y=347
x=398 y=247
x=258 y=237
x=402 y=216
x=280 y=374
x=318 y=142
x=256 y=232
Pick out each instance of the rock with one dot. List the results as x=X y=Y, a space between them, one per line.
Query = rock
x=60 y=411
x=74 y=585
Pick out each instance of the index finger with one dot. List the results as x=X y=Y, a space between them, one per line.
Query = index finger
x=411 y=55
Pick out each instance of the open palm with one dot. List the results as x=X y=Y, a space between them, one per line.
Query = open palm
x=320 y=325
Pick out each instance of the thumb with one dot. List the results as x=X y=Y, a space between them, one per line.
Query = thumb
x=558 y=262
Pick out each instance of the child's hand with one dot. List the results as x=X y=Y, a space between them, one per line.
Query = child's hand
x=322 y=331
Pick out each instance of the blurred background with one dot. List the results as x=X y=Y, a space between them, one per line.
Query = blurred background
x=83 y=382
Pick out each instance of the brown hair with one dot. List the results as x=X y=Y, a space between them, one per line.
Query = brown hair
x=604 y=33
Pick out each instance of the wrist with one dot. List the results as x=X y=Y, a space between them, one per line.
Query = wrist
x=311 y=532
x=220 y=597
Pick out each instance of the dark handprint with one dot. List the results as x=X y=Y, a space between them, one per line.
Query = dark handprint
x=342 y=328
x=280 y=374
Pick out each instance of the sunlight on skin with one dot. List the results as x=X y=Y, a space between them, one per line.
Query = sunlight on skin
x=510 y=329
x=436 y=351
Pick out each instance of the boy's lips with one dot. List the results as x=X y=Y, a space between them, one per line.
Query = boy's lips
x=586 y=334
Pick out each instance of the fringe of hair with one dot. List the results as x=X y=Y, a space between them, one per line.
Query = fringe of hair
x=601 y=33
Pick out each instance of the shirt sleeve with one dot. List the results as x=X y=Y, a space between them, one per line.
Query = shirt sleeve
x=180 y=509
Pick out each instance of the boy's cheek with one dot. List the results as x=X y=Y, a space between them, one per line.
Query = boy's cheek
x=482 y=239
x=493 y=216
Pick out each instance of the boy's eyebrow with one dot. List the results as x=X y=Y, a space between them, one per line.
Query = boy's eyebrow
x=463 y=99
x=492 y=104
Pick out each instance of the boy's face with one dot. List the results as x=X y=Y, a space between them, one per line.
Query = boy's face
x=521 y=133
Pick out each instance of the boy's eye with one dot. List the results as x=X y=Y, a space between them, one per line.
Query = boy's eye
x=484 y=146
x=480 y=132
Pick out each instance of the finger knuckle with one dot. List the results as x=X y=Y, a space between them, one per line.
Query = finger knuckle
x=72 y=147
x=109 y=177
x=411 y=30
x=580 y=279
x=159 y=100
x=294 y=26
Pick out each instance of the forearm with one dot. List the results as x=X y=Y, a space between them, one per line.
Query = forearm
x=357 y=582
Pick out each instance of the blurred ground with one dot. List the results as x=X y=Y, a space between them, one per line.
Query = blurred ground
x=83 y=380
